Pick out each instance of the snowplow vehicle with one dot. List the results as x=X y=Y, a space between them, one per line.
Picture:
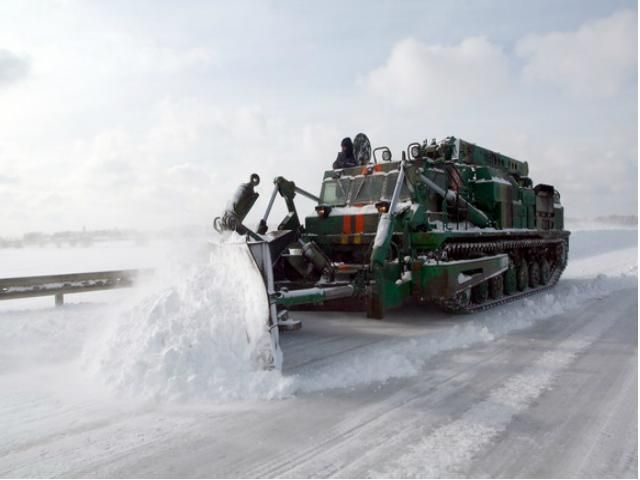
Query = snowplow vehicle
x=449 y=223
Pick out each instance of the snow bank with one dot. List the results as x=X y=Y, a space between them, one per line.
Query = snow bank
x=197 y=335
x=407 y=357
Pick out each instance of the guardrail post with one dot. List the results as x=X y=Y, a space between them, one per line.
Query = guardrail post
x=59 y=299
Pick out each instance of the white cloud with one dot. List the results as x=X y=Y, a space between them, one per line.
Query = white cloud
x=503 y=100
x=594 y=61
x=417 y=74
x=179 y=167
x=143 y=127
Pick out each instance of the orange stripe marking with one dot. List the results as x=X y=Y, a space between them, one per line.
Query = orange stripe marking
x=346 y=224
x=359 y=223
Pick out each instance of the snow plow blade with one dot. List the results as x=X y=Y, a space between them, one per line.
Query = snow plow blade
x=262 y=257
x=280 y=300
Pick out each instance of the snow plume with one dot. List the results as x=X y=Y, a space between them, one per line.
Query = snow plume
x=197 y=336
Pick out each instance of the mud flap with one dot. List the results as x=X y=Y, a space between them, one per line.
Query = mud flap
x=271 y=355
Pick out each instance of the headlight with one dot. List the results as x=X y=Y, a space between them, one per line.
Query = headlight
x=415 y=151
x=323 y=210
x=382 y=206
x=386 y=155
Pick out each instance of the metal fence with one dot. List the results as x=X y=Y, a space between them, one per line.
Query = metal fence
x=60 y=285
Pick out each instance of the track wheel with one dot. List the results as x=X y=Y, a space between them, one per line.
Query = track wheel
x=510 y=281
x=534 y=274
x=496 y=287
x=545 y=271
x=480 y=293
x=523 y=276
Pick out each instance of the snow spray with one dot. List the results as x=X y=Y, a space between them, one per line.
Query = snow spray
x=194 y=333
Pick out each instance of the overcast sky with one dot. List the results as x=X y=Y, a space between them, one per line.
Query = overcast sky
x=148 y=114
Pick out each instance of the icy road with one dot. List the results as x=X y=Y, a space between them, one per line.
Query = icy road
x=542 y=387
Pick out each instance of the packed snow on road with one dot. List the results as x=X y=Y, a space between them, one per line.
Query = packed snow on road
x=163 y=379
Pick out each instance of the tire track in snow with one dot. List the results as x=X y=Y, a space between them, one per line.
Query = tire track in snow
x=334 y=451
x=337 y=436
x=607 y=429
x=379 y=441
x=447 y=451
x=97 y=442
x=586 y=426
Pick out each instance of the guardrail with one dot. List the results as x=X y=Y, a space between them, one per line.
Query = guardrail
x=60 y=285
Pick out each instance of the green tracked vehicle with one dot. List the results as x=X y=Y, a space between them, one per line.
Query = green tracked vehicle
x=450 y=223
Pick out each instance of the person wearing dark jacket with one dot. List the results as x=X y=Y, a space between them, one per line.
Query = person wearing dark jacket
x=345 y=158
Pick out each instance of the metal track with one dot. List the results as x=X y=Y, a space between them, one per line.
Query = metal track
x=502 y=245
x=507 y=245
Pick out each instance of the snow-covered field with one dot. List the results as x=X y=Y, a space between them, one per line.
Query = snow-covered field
x=159 y=380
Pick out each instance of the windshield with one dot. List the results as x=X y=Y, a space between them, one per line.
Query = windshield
x=334 y=192
x=367 y=189
x=360 y=190
x=391 y=185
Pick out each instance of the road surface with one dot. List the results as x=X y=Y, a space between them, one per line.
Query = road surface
x=548 y=393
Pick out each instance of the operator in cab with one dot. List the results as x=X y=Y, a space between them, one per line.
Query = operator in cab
x=345 y=157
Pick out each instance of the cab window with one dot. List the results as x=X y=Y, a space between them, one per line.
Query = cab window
x=390 y=185
x=334 y=192
x=368 y=190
